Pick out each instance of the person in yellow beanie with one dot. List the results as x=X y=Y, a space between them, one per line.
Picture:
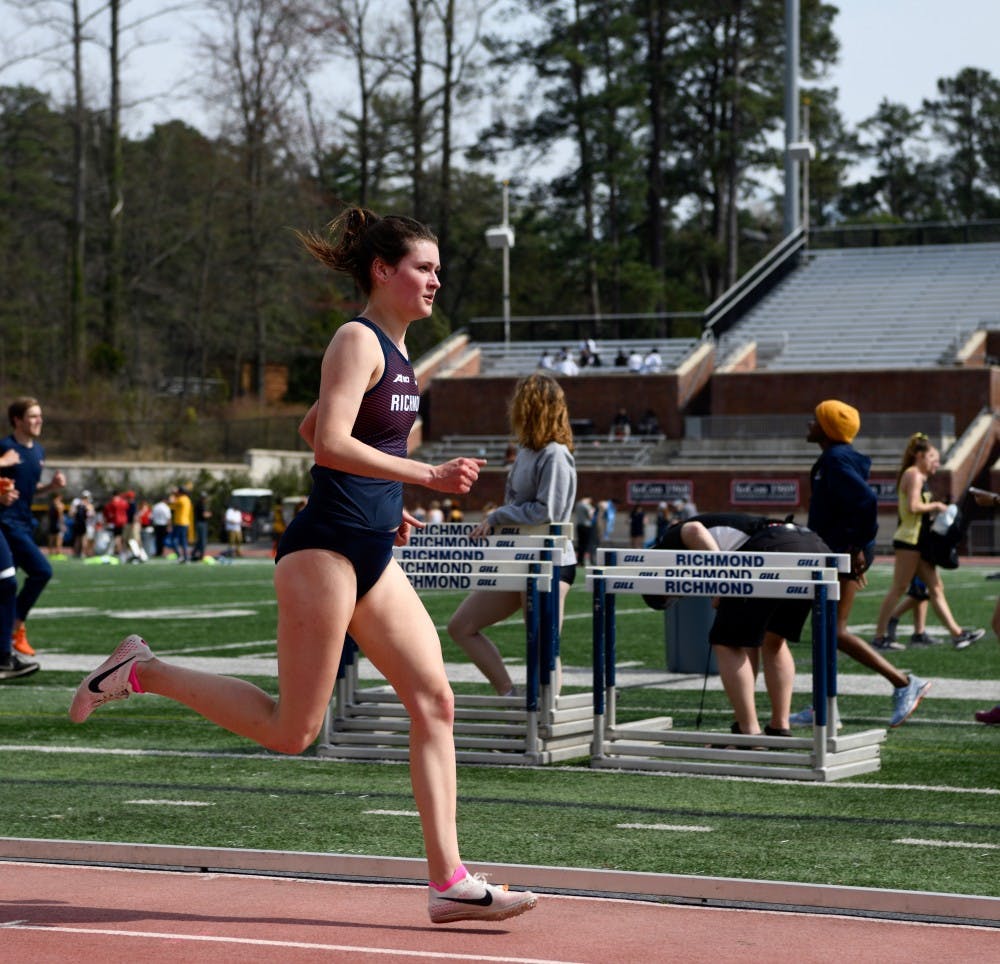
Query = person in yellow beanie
x=839 y=421
x=843 y=512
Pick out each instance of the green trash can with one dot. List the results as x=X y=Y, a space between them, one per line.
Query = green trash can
x=686 y=624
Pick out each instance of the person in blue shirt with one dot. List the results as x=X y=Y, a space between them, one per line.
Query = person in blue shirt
x=16 y=520
x=12 y=665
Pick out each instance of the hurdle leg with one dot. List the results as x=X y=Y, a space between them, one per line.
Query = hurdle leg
x=532 y=629
x=597 y=624
x=610 y=659
x=342 y=689
x=832 y=715
x=820 y=646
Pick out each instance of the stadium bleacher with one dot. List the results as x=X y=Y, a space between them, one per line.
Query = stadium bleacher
x=874 y=308
x=521 y=358
x=590 y=450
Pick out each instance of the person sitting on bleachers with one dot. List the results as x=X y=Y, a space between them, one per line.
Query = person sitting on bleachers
x=565 y=365
x=635 y=359
x=652 y=364
x=621 y=426
x=649 y=424
x=589 y=358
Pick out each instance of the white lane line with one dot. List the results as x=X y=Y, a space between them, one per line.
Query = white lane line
x=393 y=813
x=835 y=786
x=304 y=945
x=683 y=827
x=172 y=803
x=947 y=843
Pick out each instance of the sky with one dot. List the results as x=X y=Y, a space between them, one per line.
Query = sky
x=889 y=48
x=899 y=49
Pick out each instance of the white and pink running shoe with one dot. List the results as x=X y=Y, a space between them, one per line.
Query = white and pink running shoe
x=110 y=681
x=472 y=898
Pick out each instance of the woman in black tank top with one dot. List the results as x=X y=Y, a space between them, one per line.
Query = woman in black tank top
x=341 y=577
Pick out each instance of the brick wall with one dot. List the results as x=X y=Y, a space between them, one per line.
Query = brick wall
x=961 y=391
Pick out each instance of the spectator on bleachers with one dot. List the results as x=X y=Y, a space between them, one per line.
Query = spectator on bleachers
x=621 y=359
x=547 y=362
x=435 y=515
x=915 y=508
x=540 y=488
x=589 y=357
x=565 y=365
x=621 y=426
x=843 y=512
x=652 y=363
x=649 y=424
x=635 y=361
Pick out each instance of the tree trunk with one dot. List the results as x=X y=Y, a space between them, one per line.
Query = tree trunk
x=78 y=220
x=116 y=201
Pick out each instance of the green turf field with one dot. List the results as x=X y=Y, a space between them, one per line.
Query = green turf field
x=148 y=770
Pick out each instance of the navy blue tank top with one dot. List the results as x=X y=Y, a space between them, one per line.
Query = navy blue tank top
x=385 y=417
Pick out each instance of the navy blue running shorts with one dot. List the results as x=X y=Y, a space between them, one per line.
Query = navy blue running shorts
x=743 y=622
x=369 y=552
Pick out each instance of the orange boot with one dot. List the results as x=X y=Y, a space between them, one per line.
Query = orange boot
x=20 y=641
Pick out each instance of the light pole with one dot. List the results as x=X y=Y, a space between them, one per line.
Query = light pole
x=803 y=151
x=502 y=237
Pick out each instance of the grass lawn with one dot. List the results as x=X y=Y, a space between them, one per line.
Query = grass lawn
x=148 y=770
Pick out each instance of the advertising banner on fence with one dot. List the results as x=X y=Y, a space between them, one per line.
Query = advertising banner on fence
x=649 y=491
x=764 y=492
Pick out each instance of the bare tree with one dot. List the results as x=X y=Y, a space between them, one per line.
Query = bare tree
x=259 y=65
x=116 y=200
x=344 y=27
x=71 y=25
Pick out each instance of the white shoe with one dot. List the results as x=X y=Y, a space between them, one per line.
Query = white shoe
x=110 y=681
x=474 y=899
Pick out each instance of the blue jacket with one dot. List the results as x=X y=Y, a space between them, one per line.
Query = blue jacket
x=843 y=507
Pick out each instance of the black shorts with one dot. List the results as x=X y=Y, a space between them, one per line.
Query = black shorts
x=369 y=552
x=743 y=622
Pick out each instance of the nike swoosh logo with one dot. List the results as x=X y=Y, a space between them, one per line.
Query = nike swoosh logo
x=95 y=684
x=483 y=901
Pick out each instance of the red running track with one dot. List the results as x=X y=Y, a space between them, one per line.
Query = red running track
x=60 y=913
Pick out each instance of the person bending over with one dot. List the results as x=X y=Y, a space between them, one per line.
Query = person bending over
x=747 y=630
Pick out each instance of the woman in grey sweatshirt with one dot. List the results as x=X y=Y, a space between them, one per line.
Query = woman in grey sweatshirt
x=541 y=488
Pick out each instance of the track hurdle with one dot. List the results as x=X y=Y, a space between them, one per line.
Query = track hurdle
x=537 y=727
x=649 y=745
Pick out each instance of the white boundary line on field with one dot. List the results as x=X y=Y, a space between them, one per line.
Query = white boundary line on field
x=223 y=755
